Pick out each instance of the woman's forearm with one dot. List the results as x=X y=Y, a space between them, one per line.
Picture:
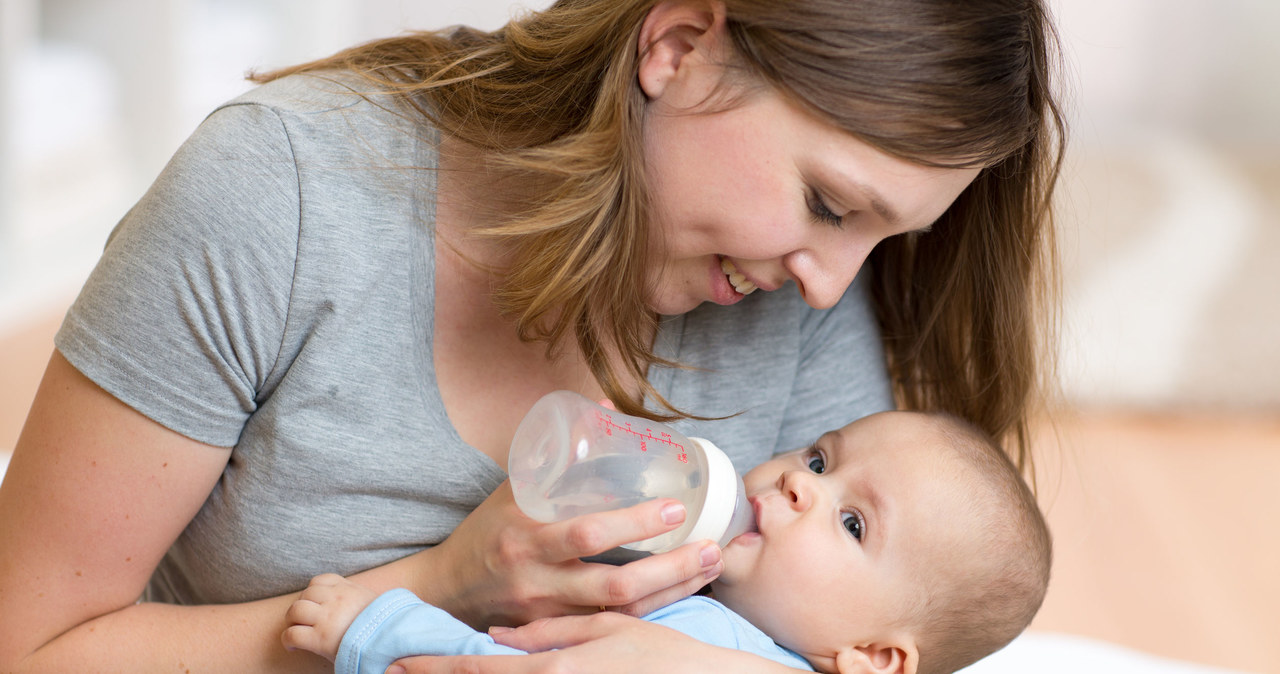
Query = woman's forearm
x=94 y=495
x=155 y=637
x=150 y=637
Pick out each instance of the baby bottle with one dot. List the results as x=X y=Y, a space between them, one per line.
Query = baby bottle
x=571 y=456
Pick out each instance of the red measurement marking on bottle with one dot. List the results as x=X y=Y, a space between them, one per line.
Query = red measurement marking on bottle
x=608 y=425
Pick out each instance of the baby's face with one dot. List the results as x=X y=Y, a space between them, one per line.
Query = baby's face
x=846 y=528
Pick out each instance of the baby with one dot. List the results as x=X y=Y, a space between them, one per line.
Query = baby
x=903 y=543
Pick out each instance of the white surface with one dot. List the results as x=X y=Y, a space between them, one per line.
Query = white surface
x=95 y=97
x=1044 y=653
x=1134 y=324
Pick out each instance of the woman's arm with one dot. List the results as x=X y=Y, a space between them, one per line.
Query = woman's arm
x=93 y=497
x=96 y=493
x=604 y=642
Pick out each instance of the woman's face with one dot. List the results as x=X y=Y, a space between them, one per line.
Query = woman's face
x=765 y=192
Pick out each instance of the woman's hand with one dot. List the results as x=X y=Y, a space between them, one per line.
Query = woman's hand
x=604 y=642
x=499 y=567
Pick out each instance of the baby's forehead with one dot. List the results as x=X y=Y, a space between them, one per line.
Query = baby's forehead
x=898 y=433
x=911 y=451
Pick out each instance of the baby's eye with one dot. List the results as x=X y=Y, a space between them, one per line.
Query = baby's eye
x=852 y=521
x=817 y=464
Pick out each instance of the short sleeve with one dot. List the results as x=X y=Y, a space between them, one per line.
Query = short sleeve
x=183 y=315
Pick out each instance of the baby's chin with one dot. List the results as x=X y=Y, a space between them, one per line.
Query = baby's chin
x=739 y=555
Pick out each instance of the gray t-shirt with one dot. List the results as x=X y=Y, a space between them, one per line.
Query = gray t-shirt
x=273 y=292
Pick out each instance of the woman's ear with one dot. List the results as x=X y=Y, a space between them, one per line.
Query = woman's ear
x=879 y=658
x=676 y=36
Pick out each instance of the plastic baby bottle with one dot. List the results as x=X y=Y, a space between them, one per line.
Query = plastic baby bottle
x=571 y=456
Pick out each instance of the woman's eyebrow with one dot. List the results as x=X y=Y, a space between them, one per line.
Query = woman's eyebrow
x=878 y=203
x=884 y=209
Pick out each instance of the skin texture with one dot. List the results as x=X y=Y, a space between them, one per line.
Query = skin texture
x=782 y=194
x=92 y=500
x=877 y=478
x=96 y=493
x=846 y=529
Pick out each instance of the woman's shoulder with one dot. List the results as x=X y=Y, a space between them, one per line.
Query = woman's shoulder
x=331 y=110
x=310 y=93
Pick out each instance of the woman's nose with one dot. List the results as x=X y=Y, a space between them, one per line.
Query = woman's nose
x=823 y=274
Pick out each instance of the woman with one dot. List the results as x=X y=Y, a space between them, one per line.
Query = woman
x=307 y=347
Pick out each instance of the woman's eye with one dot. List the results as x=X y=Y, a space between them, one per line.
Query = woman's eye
x=852 y=521
x=821 y=213
x=817 y=464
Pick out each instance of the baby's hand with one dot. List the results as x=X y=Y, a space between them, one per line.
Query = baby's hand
x=319 y=618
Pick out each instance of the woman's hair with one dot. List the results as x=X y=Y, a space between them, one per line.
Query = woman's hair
x=553 y=97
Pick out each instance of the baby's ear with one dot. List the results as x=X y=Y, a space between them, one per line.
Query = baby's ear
x=878 y=658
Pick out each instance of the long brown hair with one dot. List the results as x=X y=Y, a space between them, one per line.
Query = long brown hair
x=553 y=97
x=967 y=311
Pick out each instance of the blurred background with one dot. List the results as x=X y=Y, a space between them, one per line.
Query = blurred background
x=1158 y=475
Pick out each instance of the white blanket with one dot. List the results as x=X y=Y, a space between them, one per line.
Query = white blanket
x=1046 y=653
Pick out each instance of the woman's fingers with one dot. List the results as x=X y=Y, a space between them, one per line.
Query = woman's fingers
x=643 y=585
x=657 y=599
x=604 y=642
x=470 y=664
x=562 y=632
x=593 y=534
x=636 y=587
x=545 y=634
x=507 y=569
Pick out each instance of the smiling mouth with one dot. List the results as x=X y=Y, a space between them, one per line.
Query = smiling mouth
x=736 y=279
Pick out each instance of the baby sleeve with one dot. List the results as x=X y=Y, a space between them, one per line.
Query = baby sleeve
x=399 y=625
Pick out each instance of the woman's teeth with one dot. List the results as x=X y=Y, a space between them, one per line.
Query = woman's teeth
x=738 y=281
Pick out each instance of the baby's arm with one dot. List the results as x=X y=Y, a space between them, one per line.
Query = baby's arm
x=363 y=632
x=320 y=617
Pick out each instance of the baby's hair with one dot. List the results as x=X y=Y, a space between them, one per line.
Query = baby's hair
x=977 y=609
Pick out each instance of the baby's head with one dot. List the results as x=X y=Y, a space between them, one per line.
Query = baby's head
x=903 y=542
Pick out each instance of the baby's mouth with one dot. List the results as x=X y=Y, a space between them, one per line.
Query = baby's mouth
x=736 y=279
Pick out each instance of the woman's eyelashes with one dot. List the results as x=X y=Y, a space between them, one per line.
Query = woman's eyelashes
x=820 y=212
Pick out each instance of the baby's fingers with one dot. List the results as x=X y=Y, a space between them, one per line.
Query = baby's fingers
x=306 y=638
